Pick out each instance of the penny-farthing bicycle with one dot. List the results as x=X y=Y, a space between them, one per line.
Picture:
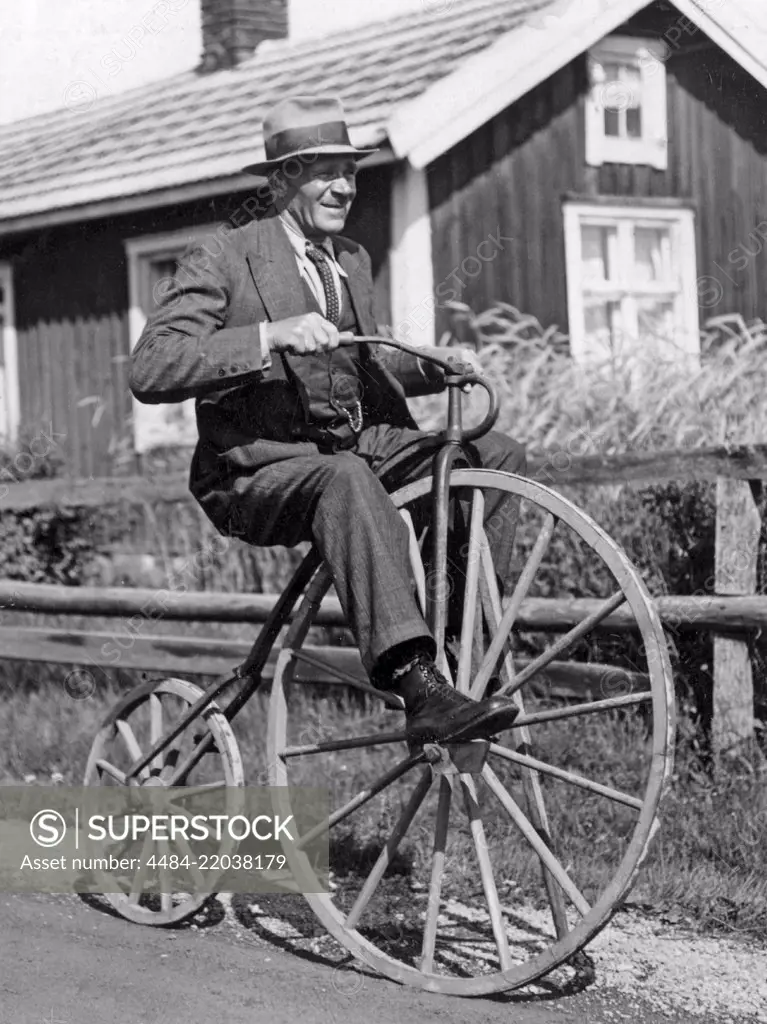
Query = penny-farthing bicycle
x=517 y=849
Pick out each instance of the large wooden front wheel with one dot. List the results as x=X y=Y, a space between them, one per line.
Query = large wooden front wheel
x=492 y=863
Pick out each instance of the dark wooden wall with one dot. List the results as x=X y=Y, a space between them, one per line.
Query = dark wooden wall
x=71 y=289
x=511 y=176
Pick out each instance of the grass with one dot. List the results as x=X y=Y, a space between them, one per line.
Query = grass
x=706 y=864
x=649 y=400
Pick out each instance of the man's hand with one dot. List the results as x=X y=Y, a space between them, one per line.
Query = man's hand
x=469 y=356
x=304 y=335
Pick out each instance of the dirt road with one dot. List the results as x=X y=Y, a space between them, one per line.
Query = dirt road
x=63 y=961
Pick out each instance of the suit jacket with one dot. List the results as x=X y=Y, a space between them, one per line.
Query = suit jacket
x=203 y=342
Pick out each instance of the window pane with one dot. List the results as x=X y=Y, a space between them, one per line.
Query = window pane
x=160 y=273
x=612 y=122
x=656 y=321
x=620 y=96
x=598 y=248
x=652 y=255
x=631 y=91
x=617 y=90
x=603 y=328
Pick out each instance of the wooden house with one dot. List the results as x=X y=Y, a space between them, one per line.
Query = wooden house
x=600 y=164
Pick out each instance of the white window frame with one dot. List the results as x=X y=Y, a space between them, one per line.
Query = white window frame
x=150 y=427
x=576 y=214
x=10 y=404
x=651 y=149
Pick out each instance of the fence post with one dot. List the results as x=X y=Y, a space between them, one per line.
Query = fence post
x=738 y=527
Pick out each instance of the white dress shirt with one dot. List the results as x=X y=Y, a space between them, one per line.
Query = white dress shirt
x=310 y=274
x=309 y=271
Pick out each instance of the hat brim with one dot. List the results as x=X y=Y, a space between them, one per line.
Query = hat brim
x=329 y=150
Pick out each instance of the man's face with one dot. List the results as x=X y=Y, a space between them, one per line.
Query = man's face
x=320 y=195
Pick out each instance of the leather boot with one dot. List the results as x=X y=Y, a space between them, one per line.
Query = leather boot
x=436 y=712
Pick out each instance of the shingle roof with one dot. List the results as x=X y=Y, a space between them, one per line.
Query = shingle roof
x=195 y=128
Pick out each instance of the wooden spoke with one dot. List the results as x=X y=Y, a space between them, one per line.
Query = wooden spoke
x=155 y=732
x=470 y=592
x=114 y=773
x=139 y=878
x=132 y=745
x=572 y=777
x=566 y=641
x=390 y=699
x=486 y=871
x=362 y=798
x=201 y=882
x=386 y=854
x=416 y=561
x=491 y=605
x=166 y=889
x=170 y=761
x=478 y=648
x=536 y=717
x=164 y=880
x=503 y=628
x=437 y=871
x=531 y=783
x=344 y=744
x=547 y=857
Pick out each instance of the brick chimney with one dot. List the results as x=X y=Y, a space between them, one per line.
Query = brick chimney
x=232 y=29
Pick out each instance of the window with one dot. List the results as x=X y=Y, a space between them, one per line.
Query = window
x=9 y=373
x=152 y=261
x=626 y=107
x=631 y=281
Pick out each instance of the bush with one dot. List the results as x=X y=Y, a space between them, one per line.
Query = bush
x=40 y=545
x=45 y=546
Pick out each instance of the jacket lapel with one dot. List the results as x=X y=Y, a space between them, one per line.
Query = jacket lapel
x=359 y=289
x=272 y=263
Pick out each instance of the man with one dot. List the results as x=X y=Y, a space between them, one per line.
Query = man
x=297 y=433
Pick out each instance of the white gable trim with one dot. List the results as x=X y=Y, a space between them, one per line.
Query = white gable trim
x=728 y=28
x=522 y=58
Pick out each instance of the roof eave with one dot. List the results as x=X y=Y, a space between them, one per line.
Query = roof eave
x=116 y=206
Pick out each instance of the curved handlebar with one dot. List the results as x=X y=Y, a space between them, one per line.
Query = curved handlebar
x=491 y=416
x=454 y=379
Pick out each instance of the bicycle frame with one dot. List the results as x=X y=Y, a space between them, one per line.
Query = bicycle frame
x=451 y=442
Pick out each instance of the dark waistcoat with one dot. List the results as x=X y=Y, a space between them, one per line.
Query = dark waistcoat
x=323 y=376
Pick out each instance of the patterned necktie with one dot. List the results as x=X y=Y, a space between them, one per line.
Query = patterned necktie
x=321 y=262
x=343 y=396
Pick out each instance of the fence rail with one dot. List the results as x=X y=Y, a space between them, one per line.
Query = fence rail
x=724 y=614
x=200 y=656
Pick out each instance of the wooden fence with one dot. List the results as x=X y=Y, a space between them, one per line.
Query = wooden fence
x=733 y=614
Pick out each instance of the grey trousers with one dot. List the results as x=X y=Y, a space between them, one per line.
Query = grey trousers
x=341 y=502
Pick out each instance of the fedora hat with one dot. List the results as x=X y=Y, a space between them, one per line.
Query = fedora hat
x=303 y=125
